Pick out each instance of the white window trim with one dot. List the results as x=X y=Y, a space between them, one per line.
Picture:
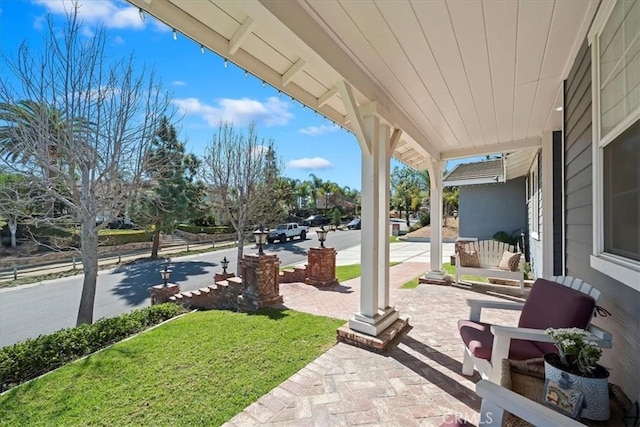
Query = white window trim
x=624 y=270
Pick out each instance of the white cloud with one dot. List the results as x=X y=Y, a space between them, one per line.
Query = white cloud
x=111 y=13
x=117 y=40
x=178 y=83
x=272 y=112
x=319 y=130
x=307 y=163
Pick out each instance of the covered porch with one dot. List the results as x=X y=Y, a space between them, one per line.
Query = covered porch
x=426 y=82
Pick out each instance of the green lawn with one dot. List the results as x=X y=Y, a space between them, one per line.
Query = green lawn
x=346 y=272
x=200 y=369
x=411 y=284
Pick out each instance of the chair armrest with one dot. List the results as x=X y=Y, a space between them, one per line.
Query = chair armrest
x=517 y=405
x=513 y=332
x=478 y=304
x=599 y=335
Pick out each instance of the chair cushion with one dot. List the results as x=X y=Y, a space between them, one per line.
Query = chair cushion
x=552 y=305
x=510 y=261
x=478 y=338
x=469 y=259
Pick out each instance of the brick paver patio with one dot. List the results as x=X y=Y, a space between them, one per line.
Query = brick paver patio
x=418 y=383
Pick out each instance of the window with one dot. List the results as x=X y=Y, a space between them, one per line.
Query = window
x=615 y=47
x=534 y=198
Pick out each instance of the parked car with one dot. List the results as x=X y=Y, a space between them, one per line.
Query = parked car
x=354 y=225
x=287 y=231
x=316 y=220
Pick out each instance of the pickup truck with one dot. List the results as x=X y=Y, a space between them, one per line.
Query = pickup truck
x=287 y=231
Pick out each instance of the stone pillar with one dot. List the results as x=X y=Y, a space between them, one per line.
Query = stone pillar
x=161 y=294
x=260 y=281
x=321 y=267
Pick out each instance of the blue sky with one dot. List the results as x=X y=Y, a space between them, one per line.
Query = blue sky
x=204 y=91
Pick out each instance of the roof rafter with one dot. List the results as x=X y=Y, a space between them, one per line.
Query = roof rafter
x=240 y=35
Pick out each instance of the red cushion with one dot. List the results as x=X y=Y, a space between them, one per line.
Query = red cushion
x=478 y=338
x=552 y=305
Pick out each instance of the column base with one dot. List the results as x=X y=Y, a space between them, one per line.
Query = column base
x=383 y=341
x=373 y=326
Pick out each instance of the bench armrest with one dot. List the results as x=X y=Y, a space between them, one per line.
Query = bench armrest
x=478 y=304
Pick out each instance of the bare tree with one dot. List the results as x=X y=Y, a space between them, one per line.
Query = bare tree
x=233 y=170
x=86 y=136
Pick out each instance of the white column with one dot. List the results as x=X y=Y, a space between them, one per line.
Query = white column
x=383 y=202
x=435 y=262
x=375 y=315
x=546 y=233
x=370 y=230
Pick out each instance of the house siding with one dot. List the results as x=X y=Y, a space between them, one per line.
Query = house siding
x=487 y=209
x=622 y=301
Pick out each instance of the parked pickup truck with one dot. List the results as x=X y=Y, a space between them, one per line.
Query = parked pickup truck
x=287 y=231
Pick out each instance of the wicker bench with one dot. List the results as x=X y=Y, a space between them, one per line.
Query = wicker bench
x=490 y=253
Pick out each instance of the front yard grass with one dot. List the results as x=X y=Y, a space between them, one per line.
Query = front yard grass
x=347 y=272
x=201 y=369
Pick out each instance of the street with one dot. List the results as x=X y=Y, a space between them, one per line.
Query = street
x=31 y=310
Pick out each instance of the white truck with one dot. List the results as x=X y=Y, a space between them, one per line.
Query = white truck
x=288 y=231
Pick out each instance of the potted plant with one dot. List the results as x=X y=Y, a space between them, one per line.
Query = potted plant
x=577 y=362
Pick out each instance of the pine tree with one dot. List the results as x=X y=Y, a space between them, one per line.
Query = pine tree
x=168 y=196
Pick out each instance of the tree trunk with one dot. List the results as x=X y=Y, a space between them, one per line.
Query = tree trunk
x=240 y=238
x=156 y=244
x=89 y=250
x=13 y=228
x=406 y=210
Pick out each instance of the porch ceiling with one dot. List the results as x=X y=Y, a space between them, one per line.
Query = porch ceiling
x=460 y=78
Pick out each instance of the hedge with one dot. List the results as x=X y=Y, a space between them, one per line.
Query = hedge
x=31 y=358
x=195 y=229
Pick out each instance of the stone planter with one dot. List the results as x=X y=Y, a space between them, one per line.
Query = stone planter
x=596 y=390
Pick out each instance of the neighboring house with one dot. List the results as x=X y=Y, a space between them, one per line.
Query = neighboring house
x=491 y=199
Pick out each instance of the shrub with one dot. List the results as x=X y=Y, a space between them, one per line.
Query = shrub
x=120 y=238
x=425 y=219
x=221 y=229
x=28 y=359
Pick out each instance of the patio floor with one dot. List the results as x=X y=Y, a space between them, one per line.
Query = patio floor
x=418 y=383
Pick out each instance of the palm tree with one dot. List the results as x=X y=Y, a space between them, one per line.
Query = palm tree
x=29 y=117
x=315 y=183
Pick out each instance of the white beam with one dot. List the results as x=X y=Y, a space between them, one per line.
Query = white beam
x=174 y=17
x=354 y=114
x=292 y=71
x=326 y=97
x=501 y=147
x=240 y=35
x=395 y=139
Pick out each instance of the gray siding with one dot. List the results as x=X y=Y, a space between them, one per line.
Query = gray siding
x=622 y=301
x=487 y=209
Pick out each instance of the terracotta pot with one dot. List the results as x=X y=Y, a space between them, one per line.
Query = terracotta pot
x=596 y=390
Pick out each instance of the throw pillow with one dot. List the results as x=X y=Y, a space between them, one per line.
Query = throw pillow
x=510 y=261
x=469 y=259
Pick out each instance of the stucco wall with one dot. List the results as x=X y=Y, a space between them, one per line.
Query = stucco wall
x=622 y=301
x=489 y=208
